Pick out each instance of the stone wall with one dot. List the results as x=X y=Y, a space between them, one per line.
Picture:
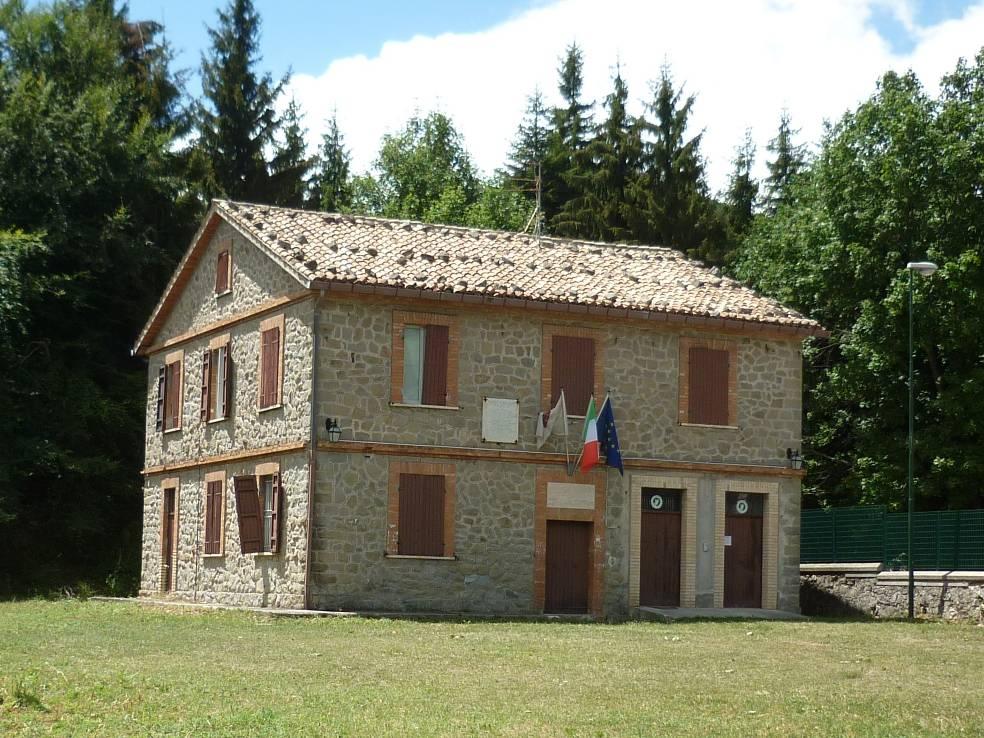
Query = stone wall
x=259 y=580
x=500 y=355
x=865 y=591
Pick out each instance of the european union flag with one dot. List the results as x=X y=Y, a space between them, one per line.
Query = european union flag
x=608 y=437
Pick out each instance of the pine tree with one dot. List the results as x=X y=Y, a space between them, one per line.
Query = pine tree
x=673 y=190
x=238 y=124
x=290 y=164
x=529 y=149
x=742 y=189
x=567 y=163
x=331 y=184
x=788 y=162
x=615 y=152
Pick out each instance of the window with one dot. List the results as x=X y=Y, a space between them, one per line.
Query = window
x=259 y=500
x=216 y=380
x=223 y=272
x=169 y=393
x=271 y=361
x=572 y=362
x=214 y=513
x=421 y=510
x=708 y=382
x=425 y=360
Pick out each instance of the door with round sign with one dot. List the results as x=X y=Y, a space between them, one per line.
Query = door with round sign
x=743 y=549
x=659 y=547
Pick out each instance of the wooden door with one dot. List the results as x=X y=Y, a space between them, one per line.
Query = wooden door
x=568 y=566
x=743 y=557
x=167 y=541
x=659 y=548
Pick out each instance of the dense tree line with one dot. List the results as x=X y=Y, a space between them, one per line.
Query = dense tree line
x=108 y=165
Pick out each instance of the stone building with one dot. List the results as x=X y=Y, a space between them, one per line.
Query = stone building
x=342 y=412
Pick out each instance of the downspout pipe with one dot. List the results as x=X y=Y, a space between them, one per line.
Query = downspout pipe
x=312 y=446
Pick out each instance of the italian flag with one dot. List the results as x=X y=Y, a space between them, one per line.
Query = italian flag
x=589 y=456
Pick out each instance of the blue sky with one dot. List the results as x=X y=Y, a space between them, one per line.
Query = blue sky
x=375 y=63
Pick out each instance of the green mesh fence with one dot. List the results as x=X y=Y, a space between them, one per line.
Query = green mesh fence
x=945 y=539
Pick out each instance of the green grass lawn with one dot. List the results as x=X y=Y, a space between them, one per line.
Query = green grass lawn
x=92 y=668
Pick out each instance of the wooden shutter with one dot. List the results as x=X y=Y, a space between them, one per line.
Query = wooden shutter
x=249 y=514
x=161 y=392
x=206 y=381
x=707 y=386
x=269 y=366
x=421 y=519
x=222 y=272
x=435 y=390
x=278 y=501
x=213 y=518
x=226 y=388
x=572 y=369
x=172 y=395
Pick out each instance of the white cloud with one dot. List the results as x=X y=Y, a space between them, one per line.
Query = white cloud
x=744 y=60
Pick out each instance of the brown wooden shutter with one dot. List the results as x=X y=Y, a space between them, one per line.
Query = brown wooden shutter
x=226 y=388
x=435 y=391
x=572 y=369
x=161 y=392
x=249 y=514
x=222 y=272
x=205 y=407
x=707 y=398
x=421 y=519
x=269 y=366
x=278 y=496
x=172 y=395
x=213 y=518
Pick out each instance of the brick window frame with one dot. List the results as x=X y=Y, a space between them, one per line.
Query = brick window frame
x=403 y=318
x=719 y=344
x=278 y=322
x=216 y=477
x=170 y=389
x=396 y=468
x=546 y=362
x=223 y=269
x=210 y=385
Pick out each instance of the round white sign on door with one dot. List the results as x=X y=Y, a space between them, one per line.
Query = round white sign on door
x=741 y=507
x=656 y=502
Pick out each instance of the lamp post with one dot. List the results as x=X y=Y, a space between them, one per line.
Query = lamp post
x=923 y=269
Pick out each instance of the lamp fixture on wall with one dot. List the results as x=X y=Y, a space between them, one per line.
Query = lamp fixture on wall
x=795 y=458
x=334 y=432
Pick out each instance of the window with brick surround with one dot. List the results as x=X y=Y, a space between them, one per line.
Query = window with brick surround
x=223 y=272
x=424 y=360
x=216 y=397
x=169 y=393
x=708 y=382
x=271 y=362
x=571 y=362
x=259 y=510
x=421 y=510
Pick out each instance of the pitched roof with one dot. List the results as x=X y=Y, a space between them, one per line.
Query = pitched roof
x=328 y=248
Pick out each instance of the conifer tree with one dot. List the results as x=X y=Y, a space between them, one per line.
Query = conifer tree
x=742 y=192
x=788 y=162
x=567 y=163
x=529 y=147
x=238 y=123
x=290 y=163
x=331 y=184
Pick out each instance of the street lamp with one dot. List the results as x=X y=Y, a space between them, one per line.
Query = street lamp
x=923 y=269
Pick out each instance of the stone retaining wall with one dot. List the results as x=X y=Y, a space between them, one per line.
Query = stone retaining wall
x=863 y=590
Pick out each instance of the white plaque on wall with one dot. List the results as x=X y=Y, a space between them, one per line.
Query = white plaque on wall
x=500 y=420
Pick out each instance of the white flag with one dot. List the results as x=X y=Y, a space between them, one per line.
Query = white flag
x=546 y=423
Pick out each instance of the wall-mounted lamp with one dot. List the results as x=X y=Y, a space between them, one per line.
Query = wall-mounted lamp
x=795 y=459
x=334 y=432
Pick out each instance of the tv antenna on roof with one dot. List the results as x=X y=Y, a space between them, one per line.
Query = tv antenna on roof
x=536 y=217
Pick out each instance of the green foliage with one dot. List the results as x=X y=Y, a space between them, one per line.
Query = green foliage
x=789 y=161
x=742 y=193
x=529 y=148
x=331 y=185
x=290 y=164
x=896 y=180
x=94 y=214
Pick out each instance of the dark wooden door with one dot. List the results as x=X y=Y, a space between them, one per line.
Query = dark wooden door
x=568 y=566
x=659 y=549
x=743 y=558
x=167 y=541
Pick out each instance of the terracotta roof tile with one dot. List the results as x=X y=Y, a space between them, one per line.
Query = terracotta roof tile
x=394 y=253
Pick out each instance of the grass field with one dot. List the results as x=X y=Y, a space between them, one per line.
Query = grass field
x=90 y=668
